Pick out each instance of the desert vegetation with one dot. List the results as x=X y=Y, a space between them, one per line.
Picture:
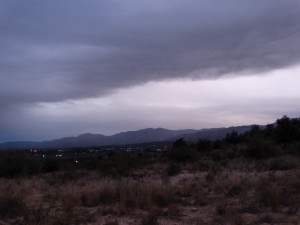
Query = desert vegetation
x=251 y=178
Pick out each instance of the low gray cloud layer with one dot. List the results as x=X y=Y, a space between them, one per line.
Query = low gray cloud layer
x=57 y=50
x=52 y=51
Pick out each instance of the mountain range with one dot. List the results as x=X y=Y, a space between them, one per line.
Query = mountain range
x=125 y=138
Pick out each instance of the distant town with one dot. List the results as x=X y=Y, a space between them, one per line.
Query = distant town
x=100 y=152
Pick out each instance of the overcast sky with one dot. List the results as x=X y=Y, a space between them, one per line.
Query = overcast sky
x=103 y=66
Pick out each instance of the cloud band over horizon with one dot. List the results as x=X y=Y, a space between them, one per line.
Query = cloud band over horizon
x=55 y=51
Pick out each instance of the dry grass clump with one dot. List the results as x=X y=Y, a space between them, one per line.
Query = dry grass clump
x=12 y=206
x=113 y=222
x=173 y=169
x=133 y=193
x=222 y=207
x=278 y=191
x=265 y=219
x=104 y=192
x=69 y=200
x=237 y=219
x=282 y=163
x=37 y=216
x=236 y=190
x=191 y=192
x=269 y=193
x=151 y=218
x=126 y=192
x=12 y=200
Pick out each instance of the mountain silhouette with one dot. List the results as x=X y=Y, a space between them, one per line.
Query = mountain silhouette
x=129 y=137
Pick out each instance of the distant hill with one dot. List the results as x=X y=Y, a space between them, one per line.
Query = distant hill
x=19 y=145
x=129 y=137
x=212 y=134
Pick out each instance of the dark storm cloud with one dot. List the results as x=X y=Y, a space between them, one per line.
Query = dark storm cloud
x=56 y=50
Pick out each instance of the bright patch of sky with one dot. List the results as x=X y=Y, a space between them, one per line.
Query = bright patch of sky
x=231 y=101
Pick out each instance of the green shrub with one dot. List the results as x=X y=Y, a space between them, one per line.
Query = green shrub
x=119 y=164
x=204 y=145
x=260 y=148
x=32 y=166
x=282 y=164
x=50 y=165
x=181 y=152
x=173 y=169
x=11 y=164
x=180 y=143
x=18 y=163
